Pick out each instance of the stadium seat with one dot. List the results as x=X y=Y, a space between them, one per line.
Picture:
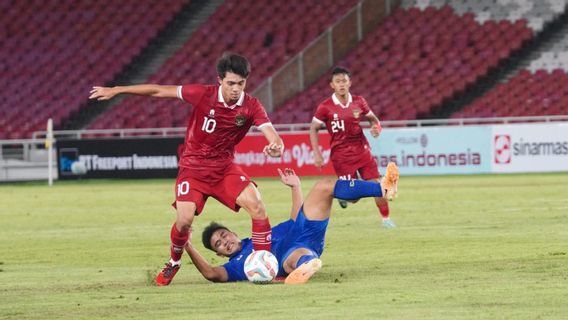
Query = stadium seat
x=244 y=26
x=88 y=43
x=539 y=93
x=430 y=51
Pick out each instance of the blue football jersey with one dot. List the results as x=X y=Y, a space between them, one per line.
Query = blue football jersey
x=235 y=265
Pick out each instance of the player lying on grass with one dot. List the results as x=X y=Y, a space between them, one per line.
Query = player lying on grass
x=298 y=242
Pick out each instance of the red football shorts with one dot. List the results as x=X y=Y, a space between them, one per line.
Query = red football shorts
x=226 y=190
x=363 y=166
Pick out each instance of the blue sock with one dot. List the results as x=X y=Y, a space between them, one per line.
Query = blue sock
x=356 y=189
x=304 y=259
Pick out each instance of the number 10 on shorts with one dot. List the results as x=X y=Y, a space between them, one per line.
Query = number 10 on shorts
x=183 y=188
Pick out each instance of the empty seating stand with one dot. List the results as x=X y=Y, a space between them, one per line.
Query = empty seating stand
x=541 y=93
x=539 y=90
x=268 y=35
x=416 y=59
x=542 y=88
x=52 y=52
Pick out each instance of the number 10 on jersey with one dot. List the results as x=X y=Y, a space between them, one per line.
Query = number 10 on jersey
x=208 y=125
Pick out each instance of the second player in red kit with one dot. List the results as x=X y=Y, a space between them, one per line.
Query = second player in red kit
x=350 y=152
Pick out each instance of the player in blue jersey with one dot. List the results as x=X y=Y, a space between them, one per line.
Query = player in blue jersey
x=298 y=242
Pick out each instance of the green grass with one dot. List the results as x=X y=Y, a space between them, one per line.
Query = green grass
x=467 y=247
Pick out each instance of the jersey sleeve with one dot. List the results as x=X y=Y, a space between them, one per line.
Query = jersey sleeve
x=364 y=107
x=235 y=270
x=321 y=114
x=260 y=118
x=191 y=93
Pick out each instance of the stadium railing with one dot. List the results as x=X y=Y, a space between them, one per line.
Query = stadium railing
x=27 y=155
x=308 y=65
x=180 y=131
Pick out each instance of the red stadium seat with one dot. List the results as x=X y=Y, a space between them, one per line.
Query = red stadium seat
x=58 y=67
x=422 y=56
x=237 y=26
x=525 y=94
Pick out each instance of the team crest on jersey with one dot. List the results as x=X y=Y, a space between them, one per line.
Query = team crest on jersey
x=356 y=113
x=335 y=117
x=212 y=113
x=240 y=120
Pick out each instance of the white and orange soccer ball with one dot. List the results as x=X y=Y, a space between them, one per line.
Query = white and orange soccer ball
x=261 y=266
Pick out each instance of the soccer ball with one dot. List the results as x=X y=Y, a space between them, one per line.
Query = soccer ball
x=261 y=266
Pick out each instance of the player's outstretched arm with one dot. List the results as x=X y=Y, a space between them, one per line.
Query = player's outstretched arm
x=289 y=178
x=153 y=90
x=213 y=274
x=314 y=139
x=275 y=145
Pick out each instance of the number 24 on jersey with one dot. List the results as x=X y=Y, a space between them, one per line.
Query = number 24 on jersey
x=337 y=125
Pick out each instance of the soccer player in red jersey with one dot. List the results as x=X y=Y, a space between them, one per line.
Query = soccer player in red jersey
x=222 y=116
x=350 y=151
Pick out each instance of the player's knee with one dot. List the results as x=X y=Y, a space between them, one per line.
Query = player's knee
x=184 y=218
x=325 y=186
x=256 y=209
x=183 y=224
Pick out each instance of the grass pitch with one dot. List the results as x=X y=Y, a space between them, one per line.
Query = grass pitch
x=466 y=247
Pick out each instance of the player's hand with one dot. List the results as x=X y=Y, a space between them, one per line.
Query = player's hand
x=273 y=150
x=376 y=130
x=102 y=93
x=190 y=234
x=289 y=177
x=318 y=160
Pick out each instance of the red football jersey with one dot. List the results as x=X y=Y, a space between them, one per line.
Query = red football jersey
x=214 y=128
x=342 y=123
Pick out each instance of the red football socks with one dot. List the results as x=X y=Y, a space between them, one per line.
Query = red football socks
x=178 y=241
x=383 y=206
x=261 y=234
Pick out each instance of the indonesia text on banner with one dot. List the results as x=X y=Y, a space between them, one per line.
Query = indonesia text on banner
x=434 y=150
x=297 y=155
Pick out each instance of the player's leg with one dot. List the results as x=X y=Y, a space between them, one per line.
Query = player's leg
x=301 y=265
x=383 y=205
x=238 y=191
x=370 y=172
x=179 y=234
x=250 y=200
x=342 y=203
x=317 y=205
x=344 y=172
x=303 y=261
x=189 y=202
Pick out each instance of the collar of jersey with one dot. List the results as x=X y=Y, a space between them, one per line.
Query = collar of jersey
x=221 y=100
x=337 y=102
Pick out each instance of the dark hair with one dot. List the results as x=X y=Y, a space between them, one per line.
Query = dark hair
x=208 y=233
x=232 y=62
x=340 y=70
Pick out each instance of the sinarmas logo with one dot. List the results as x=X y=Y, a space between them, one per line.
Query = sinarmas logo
x=502 y=147
x=540 y=148
x=505 y=148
